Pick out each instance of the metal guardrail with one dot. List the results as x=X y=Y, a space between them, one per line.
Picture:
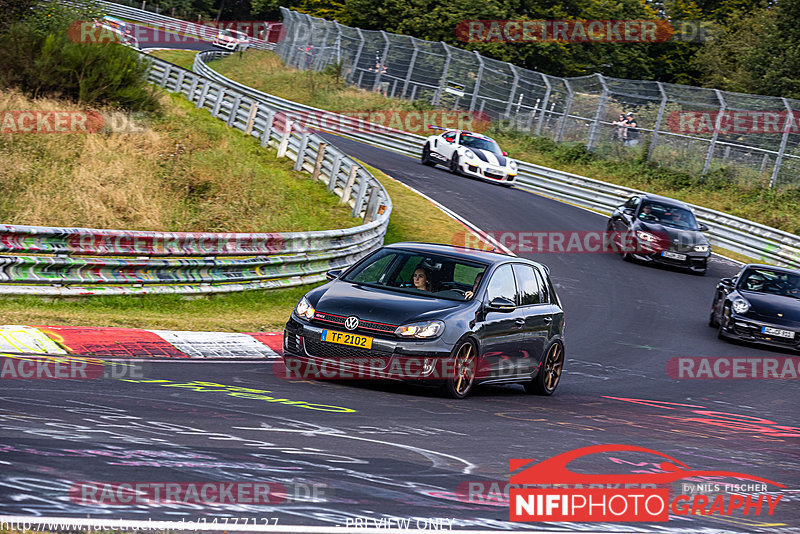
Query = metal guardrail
x=109 y=262
x=169 y=24
x=750 y=239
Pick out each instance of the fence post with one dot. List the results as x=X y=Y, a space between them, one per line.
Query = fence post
x=320 y=59
x=784 y=140
x=513 y=91
x=351 y=179
x=284 y=144
x=301 y=152
x=717 y=125
x=251 y=118
x=338 y=45
x=410 y=67
x=545 y=101
x=318 y=163
x=477 y=82
x=337 y=162
x=292 y=48
x=567 y=109
x=437 y=97
x=358 y=56
x=379 y=68
x=599 y=114
x=654 y=135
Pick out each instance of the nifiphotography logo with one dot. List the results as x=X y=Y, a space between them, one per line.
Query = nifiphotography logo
x=617 y=504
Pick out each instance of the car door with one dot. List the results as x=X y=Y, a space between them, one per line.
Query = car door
x=536 y=311
x=501 y=332
x=445 y=144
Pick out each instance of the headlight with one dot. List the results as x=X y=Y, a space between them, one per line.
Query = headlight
x=740 y=305
x=701 y=248
x=469 y=154
x=304 y=309
x=645 y=236
x=512 y=165
x=423 y=330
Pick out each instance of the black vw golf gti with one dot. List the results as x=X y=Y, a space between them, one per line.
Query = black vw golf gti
x=662 y=230
x=761 y=304
x=434 y=315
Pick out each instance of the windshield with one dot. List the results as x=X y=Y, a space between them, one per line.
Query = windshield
x=481 y=143
x=770 y=282
x=668 y=215
x=429 y=275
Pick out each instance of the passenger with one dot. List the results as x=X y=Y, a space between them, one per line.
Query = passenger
x=422 y=279
x=469 y=294
x=677 y=219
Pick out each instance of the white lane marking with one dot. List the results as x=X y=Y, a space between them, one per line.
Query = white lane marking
x=216 y=344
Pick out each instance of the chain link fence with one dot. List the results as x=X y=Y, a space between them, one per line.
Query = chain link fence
x=693 y=129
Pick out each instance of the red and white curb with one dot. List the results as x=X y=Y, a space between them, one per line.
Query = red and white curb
x=139 y=343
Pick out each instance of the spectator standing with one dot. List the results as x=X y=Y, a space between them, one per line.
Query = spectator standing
x=631 y=131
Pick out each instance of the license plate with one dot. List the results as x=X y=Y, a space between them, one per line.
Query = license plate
x=777 y=332
x=673 y=255
x=340 y=338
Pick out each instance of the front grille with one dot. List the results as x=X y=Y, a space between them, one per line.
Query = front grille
x=362 y=325
x=754 y=331
x=321 y=349
x=493 y=175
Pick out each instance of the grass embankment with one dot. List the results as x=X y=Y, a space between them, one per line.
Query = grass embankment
x=182 y=58
x=781 y=209
x=186 y=172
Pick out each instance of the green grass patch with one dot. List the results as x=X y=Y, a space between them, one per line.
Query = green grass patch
x=721 y=190
x=182 y=58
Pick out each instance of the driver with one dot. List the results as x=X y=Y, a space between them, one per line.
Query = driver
x=754 y=282
x=647 y=213
x=677 y=219
x=469 y=294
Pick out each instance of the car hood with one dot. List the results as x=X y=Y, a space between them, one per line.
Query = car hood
x=490 y=157
x=380 y=305
x=767 y=307
x=683 y=236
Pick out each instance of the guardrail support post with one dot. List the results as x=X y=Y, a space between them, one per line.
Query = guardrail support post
x=349 y=185
x=193 y=88
x=337 y=162
x=362 y=191
x=179 y=82
x=372 y=205
x=657 y=127
x=234 y=110
x=251 y=118
x=713 y=144
x=266 y=135
x=787 y=127
x=284 y=144
x=218 y=102
x=165 y=76
x=301 y=152
x=318 y=163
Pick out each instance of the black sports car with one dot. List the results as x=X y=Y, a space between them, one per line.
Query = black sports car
x=434 y=315
x=761 y=304
x=651 y=228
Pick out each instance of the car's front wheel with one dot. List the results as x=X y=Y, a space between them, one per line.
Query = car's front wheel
x=549 y=376
x=426 y=156
x=462 y=371
x=454 y=168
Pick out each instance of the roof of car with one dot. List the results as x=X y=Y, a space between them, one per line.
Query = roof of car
x=459 y=252
x=665 y=200
x=771 y=268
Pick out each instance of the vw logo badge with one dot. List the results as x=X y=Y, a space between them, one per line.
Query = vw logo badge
x=351 y=323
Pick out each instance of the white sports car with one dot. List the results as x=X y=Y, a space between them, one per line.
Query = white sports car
x=471 y=154
x=231 y=40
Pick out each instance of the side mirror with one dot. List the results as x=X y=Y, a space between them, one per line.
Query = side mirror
x=628 y=211
x=501 y=304
x=726 y=281
x=334 y=274
x=704 y=228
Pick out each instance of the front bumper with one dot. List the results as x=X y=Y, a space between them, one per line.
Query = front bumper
x=694 y=261
x=307 y=356
x=750 y=330
x=491 y=174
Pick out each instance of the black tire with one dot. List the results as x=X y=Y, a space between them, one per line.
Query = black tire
x=426 y=156
x=712 y=319
x=549 y=376
x=465 y=362
x=453 y=166
x=720 y=328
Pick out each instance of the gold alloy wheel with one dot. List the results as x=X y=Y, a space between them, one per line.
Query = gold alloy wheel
x=464 y=369
x=553 y=365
